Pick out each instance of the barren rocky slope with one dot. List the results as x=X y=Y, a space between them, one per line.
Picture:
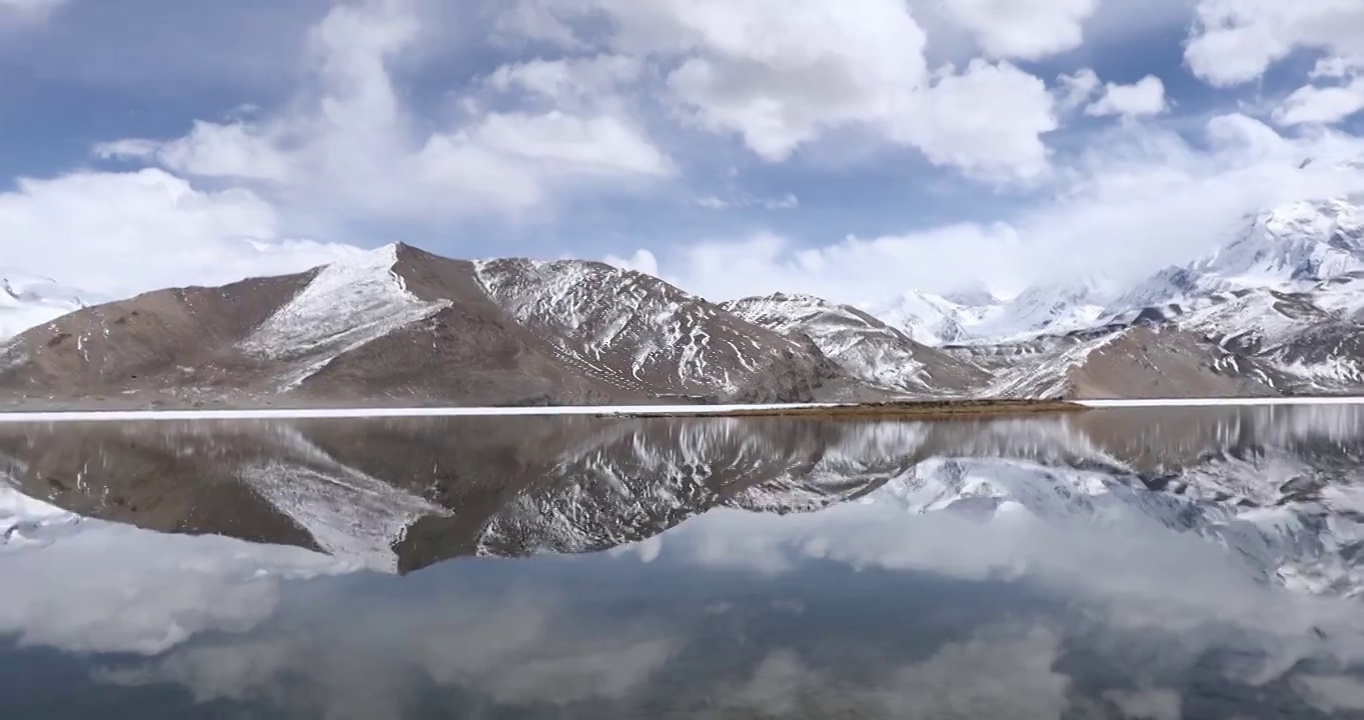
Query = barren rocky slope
x=399 y=325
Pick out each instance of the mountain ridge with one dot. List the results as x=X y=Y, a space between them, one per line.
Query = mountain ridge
x=1278 y=309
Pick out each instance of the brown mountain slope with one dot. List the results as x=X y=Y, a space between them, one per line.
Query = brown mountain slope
x=401 y=326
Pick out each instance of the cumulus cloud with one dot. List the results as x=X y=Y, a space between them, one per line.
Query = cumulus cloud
x=1321 y=105
x=1024 y=29
x=1139 y=199
x=1144 y=97
x=1328 y=104
x=1076 y=89
x=348 y=145
x=780 y=76
x=1236 y=41
x=117 y=234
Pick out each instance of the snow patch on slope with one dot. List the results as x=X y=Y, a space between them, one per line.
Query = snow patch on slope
x=349 y=304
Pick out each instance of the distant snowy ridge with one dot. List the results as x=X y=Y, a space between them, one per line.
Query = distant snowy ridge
x=862 y=345
x=1288 y=248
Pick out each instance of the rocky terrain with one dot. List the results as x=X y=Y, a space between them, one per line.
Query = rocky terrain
x=1276 y=309
x=1279 y=488
x=401 y=326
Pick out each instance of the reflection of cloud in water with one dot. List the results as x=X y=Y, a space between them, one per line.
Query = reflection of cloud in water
x=1002 y=675
x=1151 y=704
x=1333 y=694
x=113 y=588
x=364 y=658
x=1137 y=574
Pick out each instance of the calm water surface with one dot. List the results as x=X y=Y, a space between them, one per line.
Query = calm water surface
x=1161 y=564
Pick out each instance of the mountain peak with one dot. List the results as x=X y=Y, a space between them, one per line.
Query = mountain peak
x=1302 y=241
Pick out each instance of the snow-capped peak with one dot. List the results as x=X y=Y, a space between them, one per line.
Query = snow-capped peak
x=926 y=318
x=1056 y=307
x=27 y=301
x=1289 y=247
x=1296 y=242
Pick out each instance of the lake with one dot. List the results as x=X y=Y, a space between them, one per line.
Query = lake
x=1127 y=563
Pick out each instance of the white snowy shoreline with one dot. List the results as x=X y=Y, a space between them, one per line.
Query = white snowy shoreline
x=623 y=410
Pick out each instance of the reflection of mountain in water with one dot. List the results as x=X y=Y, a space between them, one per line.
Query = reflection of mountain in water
x=1280 y=487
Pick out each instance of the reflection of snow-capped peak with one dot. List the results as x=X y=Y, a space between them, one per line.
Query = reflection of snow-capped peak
x=1292 y=544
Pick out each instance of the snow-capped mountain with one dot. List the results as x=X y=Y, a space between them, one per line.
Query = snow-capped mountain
x=862 y=346
x=1054 y=307
x=927 y=318
x=27 y=301
x=398 y=323
x=1288 y=248
x=640 y=333
x=1274 y=310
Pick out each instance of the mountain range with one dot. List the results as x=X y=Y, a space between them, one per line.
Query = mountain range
x=1275 y=309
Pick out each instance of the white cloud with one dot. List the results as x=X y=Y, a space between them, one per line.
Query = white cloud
x=1314 y=104
x=1144 y=97
x=1140 y=198
x=785 y=202
x=783 y=75
x=27 y=11
x=347 y=145
x=1236 y=41
x=956 y=122
x=121 y=233
x=1024 y=29
x=1076 y=89
x=569 y=81
x=641 y=261
x=1338 y=67
x=1321 y=105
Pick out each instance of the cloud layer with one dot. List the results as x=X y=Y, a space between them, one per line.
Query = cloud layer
x=854 y=149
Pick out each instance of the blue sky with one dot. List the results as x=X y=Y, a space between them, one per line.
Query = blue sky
x=856 y=150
